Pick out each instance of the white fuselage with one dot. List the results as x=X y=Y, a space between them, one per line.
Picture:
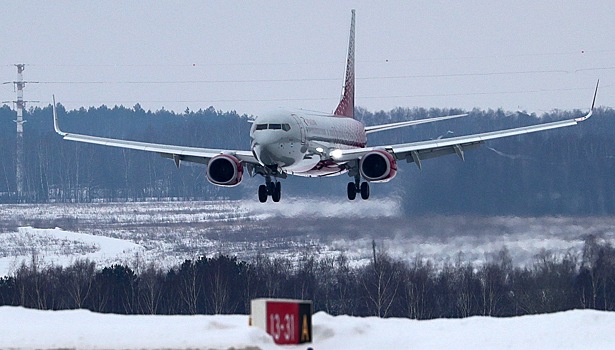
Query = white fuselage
x=300 y=143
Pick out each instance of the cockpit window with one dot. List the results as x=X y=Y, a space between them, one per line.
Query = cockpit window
x=285 y=127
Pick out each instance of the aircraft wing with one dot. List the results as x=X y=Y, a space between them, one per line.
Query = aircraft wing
x=418 y=151
x=177 y=153
x=376 y=128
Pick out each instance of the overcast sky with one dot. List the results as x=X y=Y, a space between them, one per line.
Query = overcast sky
x=254 y=56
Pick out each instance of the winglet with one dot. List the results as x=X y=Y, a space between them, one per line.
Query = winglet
x=56 y=125
x=591 y=111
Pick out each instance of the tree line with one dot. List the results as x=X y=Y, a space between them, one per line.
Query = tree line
x=559 y=172
x=385 y=287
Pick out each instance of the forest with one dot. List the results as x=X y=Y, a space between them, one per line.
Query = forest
x=385 y=287
x=559 y=172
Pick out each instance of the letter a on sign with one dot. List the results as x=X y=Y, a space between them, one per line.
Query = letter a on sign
x=305 y=332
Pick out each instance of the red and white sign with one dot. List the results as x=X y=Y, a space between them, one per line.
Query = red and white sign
x=287 y=321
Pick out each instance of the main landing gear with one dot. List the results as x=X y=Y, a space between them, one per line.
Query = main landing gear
x=273 y=189
x=358 y=187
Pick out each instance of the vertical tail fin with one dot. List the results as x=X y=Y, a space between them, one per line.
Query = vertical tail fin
x=346 y=106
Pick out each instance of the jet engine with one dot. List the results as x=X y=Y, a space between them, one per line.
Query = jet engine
x=378 y=166
x=224 y=170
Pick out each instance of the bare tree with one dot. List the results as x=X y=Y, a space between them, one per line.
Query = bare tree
x=495 y=276
x=80 y=276
x=381 y=282
x=190 y=286
x=150 y=289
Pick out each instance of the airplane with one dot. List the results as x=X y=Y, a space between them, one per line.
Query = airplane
x=317 y=145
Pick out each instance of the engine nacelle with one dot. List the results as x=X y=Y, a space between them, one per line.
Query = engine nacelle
x=378 y=166
x=224 y=170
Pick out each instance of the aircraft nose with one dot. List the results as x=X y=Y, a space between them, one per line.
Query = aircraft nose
x=263 y=144
x=265 y=153
x=272 y=150
x=265 y=137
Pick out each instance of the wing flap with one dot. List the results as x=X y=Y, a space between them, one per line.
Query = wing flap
x=438 y=152
x=434 y=148
x=190 y=154
x=479 y=138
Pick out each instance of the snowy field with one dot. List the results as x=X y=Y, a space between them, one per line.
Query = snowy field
x=78 y=329
x=167 y=233
x=58 y=247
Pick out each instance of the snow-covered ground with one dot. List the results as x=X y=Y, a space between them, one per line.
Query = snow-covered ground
x=61 y=248
x=78 y=329
x=167 y=233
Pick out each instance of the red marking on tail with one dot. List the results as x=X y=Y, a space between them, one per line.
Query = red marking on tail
x=346 y=106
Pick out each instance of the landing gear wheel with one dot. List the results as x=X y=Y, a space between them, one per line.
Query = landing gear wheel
x=365 y=190
x=352 y=191
x=277 y=192
x=270 y=187
x=262 y=193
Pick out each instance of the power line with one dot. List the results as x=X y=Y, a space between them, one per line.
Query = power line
x=476 y=93
x=384 y=60
x=283 y=80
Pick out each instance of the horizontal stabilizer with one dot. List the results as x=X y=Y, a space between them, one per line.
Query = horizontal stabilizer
x=376 y=128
